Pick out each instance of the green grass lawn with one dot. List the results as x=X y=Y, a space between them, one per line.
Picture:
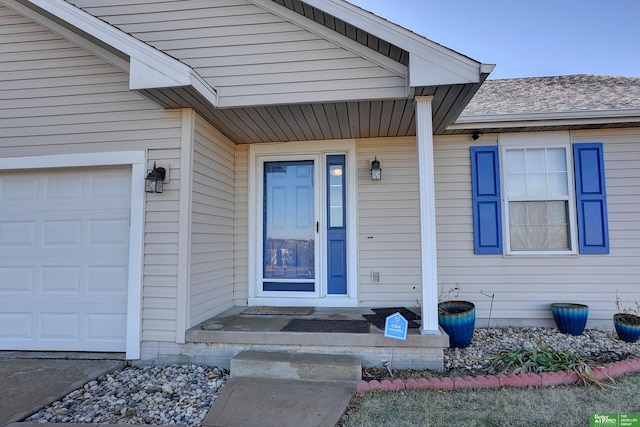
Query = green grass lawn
x=564 y=406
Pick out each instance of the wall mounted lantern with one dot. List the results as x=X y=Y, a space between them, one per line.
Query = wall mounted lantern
x=153 y=181
x=376 y=171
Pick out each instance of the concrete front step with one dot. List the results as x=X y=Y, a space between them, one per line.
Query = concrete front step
x=296 y=366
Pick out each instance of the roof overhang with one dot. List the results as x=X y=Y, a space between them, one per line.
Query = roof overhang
x=433 y=70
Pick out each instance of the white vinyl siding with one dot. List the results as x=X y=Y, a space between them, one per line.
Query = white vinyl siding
x=160 y=270
x=251 y=56
x=212 y=223
x=56 y=98
x=524 y=286
x=388 y=224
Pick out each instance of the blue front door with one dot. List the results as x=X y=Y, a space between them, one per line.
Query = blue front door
x=304 y=249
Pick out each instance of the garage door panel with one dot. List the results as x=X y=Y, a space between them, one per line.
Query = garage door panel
x=64 y=253
x=100 y=327
x=64 y=187
x=18 y=233
x=61 y=279
x=16 y=280
x=108 y=232
x=61 y=232
x=118 y=188
x=19 y=189
x=59 y=326
x=17 y=326
x=107 y=279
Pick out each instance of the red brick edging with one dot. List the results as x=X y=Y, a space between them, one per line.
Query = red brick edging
x=544 y=379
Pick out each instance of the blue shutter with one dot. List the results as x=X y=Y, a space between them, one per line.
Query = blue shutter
x=591 y=198
x=487 y=217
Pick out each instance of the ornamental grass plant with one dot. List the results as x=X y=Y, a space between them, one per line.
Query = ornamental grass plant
x=526 y=361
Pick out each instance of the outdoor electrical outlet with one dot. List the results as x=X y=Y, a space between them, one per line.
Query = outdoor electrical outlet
x=375 y=276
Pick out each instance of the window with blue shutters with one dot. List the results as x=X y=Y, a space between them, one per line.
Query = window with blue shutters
x=538 y=199
x=542 y=212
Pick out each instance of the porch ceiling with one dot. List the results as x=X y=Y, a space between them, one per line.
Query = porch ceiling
x=308 y=122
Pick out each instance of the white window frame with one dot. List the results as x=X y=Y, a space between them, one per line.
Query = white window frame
x=539 y=141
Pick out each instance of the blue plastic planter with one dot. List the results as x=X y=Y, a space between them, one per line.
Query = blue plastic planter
x=458 y=319
x=627 y=326
x=570 y=318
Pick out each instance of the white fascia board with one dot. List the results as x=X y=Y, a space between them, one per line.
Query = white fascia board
x=205 y=89
x=143 y=75
x=430 y=63
x=546 y=119
x=430 y=72
x=331 y=35
x=149 y=67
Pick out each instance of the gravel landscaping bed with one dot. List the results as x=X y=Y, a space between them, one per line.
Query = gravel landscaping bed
x=160 y=395
x=598 y=347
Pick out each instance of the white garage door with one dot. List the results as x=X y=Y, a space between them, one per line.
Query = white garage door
x=64 y=250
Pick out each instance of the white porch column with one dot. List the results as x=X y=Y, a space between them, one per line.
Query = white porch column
x=424 y=137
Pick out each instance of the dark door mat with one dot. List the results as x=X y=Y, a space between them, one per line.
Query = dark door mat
x=327 y=325
x=283 y=311
x=386 y=312
x=378 y=321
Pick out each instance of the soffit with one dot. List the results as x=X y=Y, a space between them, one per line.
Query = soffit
x=309 y=122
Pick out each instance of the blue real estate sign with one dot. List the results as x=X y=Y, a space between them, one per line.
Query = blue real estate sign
x=395 y=326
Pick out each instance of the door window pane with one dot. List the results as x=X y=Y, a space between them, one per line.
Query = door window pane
x=336 y=196
x=289 y=221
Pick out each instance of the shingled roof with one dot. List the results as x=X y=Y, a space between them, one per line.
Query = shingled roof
x=555 y=94
x=551 y=99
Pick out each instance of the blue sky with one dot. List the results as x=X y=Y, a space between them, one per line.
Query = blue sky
x=528 y=37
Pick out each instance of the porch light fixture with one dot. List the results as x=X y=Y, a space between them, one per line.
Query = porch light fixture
x=153 y=181
x=376 y=171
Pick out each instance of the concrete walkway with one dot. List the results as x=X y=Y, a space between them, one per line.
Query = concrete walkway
x=266 y=402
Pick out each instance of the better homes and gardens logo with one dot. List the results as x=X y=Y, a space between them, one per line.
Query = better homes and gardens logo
x=615 y=420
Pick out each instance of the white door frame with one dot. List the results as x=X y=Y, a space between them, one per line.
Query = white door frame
x=258 y=153
x=137 y=161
